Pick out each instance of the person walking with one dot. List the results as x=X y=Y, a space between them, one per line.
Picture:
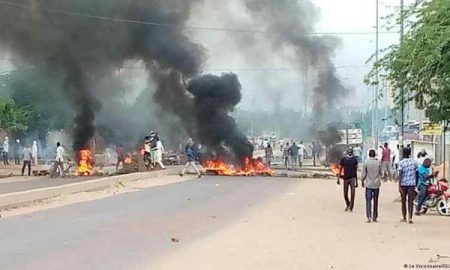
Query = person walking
x=386 y=162
x=371 y=180
x=315 y=149
x=34 y=152
x=293 y=153
x=120 y=152
x=396 y=160
x=191 y=158
x=348 y=172
x=301 y=154
x=286 y=155
x=425 y=177
x=269 y=154
x=159 y=154
x=407 y=169
x=6 y=151
x=60 y=153
x=17 y=152
x=27 y=158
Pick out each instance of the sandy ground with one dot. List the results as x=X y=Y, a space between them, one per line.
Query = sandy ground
x=306 y=228
x=231 y=223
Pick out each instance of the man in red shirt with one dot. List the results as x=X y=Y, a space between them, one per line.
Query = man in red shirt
x=386 y=162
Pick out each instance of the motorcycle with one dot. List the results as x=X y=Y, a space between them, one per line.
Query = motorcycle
x=437 y=196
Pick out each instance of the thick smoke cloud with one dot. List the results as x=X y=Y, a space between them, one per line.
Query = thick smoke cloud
x=83 y=49
x=87 y=52
x=214 y=98
x=287 y=22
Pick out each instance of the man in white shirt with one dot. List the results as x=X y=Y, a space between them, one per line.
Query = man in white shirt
x=301 y=153
x=159 y=153
x=6 y=151
x=60 y=153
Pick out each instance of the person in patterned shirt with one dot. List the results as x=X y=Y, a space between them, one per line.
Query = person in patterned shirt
x=407 y=169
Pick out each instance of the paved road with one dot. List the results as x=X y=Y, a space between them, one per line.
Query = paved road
x=224 y=223
x=131 y=230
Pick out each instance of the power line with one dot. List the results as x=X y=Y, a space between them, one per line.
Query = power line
x=155 y=24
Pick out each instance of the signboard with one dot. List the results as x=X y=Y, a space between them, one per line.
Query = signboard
x=354 y=136
x=431 y=129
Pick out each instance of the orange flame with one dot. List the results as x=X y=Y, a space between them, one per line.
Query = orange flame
x=335 y=168
x=251 y=167
x=85 y=162
x=128 y=160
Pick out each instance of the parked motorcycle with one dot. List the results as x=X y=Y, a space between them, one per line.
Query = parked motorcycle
x=437 y=196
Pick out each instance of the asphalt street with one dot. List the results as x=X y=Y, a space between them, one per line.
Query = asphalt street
x=129 y=231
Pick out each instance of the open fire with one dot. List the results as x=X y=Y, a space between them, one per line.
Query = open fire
x=335 y=168
x=84 y=161
x=251 y=167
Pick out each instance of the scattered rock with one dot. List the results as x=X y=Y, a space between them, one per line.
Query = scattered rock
x=174 y=240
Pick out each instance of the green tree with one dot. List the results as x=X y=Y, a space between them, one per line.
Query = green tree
x=421 y=64
x=12 y=119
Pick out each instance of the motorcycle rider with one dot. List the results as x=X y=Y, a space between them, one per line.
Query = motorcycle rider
x=425 y=177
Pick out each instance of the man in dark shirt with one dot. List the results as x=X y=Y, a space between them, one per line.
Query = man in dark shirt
x=348 y=172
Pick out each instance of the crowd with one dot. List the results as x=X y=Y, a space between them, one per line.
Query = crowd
x=414 y=176
x=21 y=153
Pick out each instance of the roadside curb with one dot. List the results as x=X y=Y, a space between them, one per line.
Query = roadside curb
x=15 y=199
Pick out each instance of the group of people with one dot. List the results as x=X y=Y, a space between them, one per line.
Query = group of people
x=294 y=155
x=414 y=177
x=21 y=153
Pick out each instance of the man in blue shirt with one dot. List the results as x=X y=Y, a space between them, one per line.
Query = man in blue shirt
x=425 y=177
x=407 y=169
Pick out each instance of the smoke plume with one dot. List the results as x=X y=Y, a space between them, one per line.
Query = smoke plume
x=214 y=98
x=288 y=23
x=62 y=38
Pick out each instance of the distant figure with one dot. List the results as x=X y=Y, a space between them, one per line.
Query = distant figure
x=27 y=158
x=371 y=180
x=348 y=172
x=407 y=169
x=6 y=151
x=425 y=177
x=286 y=155
x=34 y=152
x=315 y=149
x=386 y=162
x=301 y=154
x=269 y=154
x=191 y=158
x=60 y=153
x=17 y=152
x=159 y=154
x=396 y=160
x=421 y=156
x=147 y=150
x=380 y=152
x=121 y=156
x=293 y=153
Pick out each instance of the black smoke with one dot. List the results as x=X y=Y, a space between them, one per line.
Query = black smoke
x=289 y=24
x=214 y=99
x=84 y=44
x=83 y=49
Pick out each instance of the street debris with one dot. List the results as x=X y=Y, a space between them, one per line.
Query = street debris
x=174 y=240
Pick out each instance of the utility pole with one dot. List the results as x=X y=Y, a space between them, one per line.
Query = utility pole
x=376 y=77
x=401 y=86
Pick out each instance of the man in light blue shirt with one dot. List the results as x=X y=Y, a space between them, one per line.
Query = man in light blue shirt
x=425 y=177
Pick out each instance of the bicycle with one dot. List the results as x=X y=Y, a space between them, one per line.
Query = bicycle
x=55 y=170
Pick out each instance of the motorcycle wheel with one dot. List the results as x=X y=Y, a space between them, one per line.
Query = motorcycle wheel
x=443 y=207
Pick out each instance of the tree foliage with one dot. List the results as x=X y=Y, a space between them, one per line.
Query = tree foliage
x=421 y=63
x=12 y=119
